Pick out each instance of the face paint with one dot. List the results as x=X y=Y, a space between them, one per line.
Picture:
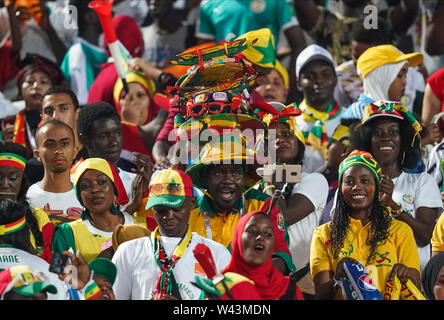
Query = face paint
x=344 y=191
x=372 y=190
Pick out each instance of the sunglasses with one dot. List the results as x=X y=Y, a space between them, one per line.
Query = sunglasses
x=197 y=109
x=173 y=189
x=217 y=96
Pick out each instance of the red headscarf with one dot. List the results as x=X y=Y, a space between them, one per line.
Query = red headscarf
x=269 y=281
x=129 y=33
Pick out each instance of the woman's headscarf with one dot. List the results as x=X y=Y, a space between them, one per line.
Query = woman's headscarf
x=269 y=281
x=377 y=83
x=129 y=34
x=108 y=169
x=147 y=84
x=430 y=273
x=33 y=63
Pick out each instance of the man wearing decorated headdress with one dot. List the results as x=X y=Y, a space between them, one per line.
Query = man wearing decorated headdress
x=216 y=105
x=258 y=49
x=227 y=180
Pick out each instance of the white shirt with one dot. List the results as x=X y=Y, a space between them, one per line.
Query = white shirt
x=59 y=206
x=434 y=162
x=413 y=191
x=103 y=234
x=11 y=257
x=315 y=187
x=127 y=179
x=137 y=269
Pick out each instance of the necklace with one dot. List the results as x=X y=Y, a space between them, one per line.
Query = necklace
x=119 y=221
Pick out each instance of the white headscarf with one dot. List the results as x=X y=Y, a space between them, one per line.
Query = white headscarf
x=378 y=82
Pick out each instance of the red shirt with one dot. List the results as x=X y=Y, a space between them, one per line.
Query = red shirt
x=436 y=82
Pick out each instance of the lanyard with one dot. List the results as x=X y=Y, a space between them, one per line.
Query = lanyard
x=207 y=219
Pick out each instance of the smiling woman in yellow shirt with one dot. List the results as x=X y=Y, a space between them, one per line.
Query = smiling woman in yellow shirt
x=362 y=230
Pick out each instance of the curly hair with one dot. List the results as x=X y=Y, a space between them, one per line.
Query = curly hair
x=410 y=155
x=31 y=220
x=90 y=113
x=380 y=222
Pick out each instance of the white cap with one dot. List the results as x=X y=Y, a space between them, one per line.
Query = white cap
x=310 y=53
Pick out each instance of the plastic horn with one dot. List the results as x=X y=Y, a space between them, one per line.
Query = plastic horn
x=103 y=9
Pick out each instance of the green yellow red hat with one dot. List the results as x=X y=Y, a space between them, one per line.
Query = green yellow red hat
x=261 y=48
x=23 y=280
x=169 y=187
x=105 y=268
x=227 y=150
x=361 y=158
x=391 y=109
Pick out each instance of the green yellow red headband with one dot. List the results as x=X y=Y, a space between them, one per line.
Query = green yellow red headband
x=361 y=158
x=13 y=226
x=12 y=160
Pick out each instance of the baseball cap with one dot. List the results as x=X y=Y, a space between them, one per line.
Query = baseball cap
x=377 y=56
x=105 y=268
x=310 y=53
x=23 y=280
x=169 y=188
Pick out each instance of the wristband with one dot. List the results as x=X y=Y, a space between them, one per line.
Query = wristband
x=395 y=213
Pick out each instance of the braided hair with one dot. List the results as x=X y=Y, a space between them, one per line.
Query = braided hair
x=380 y=222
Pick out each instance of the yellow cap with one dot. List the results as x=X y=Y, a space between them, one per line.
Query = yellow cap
x=377 y=56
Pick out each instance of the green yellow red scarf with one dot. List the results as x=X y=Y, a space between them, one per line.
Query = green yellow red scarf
x=317 y=137
x=166 y=265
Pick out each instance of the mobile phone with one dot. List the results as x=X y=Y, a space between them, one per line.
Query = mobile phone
x=286 y=173
x=58 y=263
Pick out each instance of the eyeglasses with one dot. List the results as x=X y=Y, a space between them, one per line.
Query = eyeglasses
x=173 y=189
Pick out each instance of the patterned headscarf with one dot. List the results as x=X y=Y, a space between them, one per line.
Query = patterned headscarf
x=392 y=109
x=361 y=158
x=33 y=63
x=108 y=169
